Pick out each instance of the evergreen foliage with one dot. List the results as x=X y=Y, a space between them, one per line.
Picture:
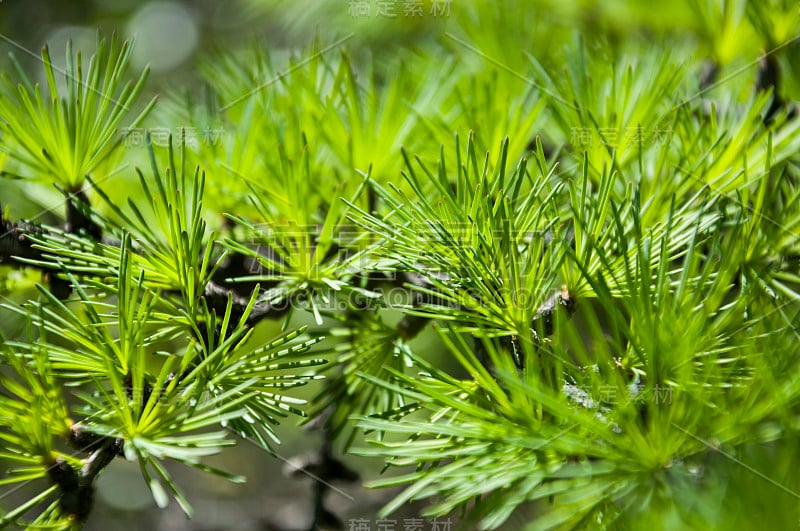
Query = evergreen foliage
x=601 y=231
